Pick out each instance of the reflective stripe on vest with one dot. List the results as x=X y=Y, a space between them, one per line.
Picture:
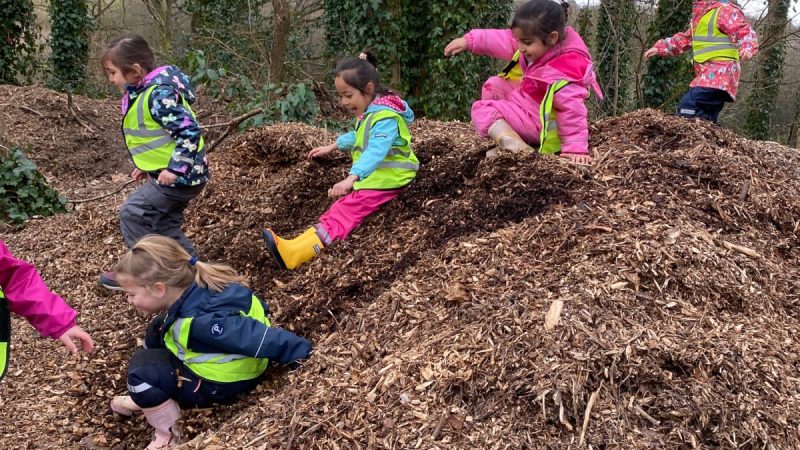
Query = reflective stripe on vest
x=400 y=165
x=709 y=43
x=218 y=367
x=5 y=334
x=512 y=71
x=549 y=141
x=151 y=146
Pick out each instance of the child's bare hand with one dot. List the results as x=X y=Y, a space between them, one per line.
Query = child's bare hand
x=581 y=160
x=456 y=46
x=343 y=187
x=167 y=178
x=650 y=53
x=138 y=175
x=76 y=332
x=321 y=151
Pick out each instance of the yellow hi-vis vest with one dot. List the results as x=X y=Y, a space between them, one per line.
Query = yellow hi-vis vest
x=400 y=165
x=150 y=145
x=549 y=141
x=512 y=71
x=709 y=43
x=217 y=367
x=5 y=334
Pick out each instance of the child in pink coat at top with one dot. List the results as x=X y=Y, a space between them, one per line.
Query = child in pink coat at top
x=546 y=52
x=716 y=69
x=24 y=293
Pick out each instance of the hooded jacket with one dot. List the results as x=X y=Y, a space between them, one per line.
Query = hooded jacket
x=28 y=296
x=188 y=160
x=568 y=60
x=383 y=136
x=720 y=74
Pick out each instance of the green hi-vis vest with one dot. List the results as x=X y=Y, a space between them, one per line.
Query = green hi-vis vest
x=709 y=43
x=549 y=141
x=400 y=165
x=5 y=334
x=512 y=71
x=150 y=145
x=218 y=367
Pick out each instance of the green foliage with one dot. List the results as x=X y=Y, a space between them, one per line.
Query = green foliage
x=614 y=30
x=18 y=33
x=409 y=39
x=231 y=33
x=69 y=41
x=666 y=78
x=767 y=82
x=23 y=190
x=287 y=102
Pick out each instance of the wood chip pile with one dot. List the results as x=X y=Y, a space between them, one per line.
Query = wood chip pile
x=505 y=302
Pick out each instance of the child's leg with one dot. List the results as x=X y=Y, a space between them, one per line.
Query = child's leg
x=153 y=377
x=497 y=88
x=522 y=120
x=347 y=213
x=155 y=209
x=703 y=103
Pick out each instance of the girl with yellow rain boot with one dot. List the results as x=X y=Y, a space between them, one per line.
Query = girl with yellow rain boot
x=383 y=162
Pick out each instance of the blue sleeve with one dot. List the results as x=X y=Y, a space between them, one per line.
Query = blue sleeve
x=167 y=109
x=381 y=137
x=242 y=335
x=346 y=141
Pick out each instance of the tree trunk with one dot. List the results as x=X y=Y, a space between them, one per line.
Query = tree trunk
x=282 y=10
x=767 y=81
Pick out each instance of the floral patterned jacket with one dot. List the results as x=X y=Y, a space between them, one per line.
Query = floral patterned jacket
x=731 y=20
x=166 y=107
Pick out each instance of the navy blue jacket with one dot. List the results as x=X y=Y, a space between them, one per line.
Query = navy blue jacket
x=221 y=326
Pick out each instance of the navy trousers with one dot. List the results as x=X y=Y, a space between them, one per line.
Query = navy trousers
x=155 y=375
x=156 y=209
x=703 y=103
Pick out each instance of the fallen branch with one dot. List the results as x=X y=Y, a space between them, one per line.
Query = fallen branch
x=232 y=126
x=102 y=196
x=743 y=250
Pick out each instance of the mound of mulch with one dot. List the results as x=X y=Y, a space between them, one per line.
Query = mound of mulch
x=509 y=302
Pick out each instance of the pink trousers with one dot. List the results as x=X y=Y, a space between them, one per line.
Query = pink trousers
x=498 y=101
x=347 y=213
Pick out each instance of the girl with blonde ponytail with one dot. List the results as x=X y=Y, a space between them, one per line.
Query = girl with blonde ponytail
x=213 y=335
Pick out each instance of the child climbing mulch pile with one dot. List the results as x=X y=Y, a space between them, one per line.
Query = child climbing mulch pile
x=513 y=301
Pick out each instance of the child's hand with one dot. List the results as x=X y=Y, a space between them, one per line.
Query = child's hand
x=456 y=46
x=320 y=151
x=581 y=160
x=650 y=53
x=343 y=187
x=76 y=332
x=167 y=178
x=138 y=175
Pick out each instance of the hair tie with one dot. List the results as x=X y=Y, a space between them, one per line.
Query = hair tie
x=363 y=56
x=193 y=260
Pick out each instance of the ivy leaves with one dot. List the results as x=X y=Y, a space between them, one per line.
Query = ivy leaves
x=24 y=191
x=18 y=33
x=70 y=25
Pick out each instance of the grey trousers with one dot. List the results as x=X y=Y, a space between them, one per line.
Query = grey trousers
x=156 y=209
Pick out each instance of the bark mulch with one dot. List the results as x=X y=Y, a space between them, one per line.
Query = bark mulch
x=506 y=302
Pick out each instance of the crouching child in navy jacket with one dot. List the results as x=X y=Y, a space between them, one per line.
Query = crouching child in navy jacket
x=211 y=343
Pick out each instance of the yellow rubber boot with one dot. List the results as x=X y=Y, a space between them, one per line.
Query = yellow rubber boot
x=508 y=139
x=291 y=253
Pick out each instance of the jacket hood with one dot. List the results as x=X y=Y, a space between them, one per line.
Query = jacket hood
x=572 y=44
x=701 y=7
x=170 y=76
x=392 y=103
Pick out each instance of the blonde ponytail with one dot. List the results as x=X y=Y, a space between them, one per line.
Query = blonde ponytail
x=159 y=259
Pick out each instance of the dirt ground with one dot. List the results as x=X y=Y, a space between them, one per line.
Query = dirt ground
x=506 y=302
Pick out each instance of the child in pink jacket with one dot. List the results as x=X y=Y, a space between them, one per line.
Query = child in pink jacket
x=548 y=60
x=723 y=38
x=23 y=292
